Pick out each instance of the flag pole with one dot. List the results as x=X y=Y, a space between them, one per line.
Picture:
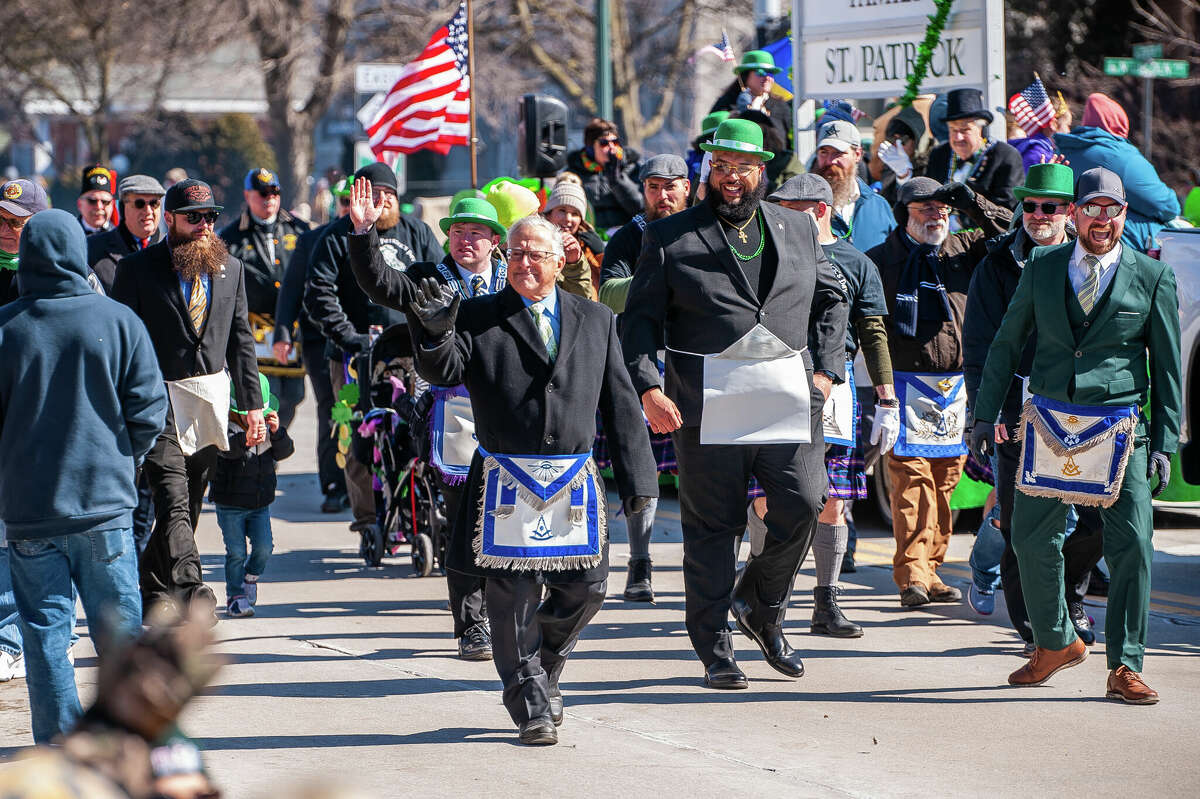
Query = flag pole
x=471 y=90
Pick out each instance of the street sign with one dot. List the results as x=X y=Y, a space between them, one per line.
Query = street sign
x=1159 y=68
x=1147 y=52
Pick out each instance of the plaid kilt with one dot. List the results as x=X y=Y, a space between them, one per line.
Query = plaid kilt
x=660 y=444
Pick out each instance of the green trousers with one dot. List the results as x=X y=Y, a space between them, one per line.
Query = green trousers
x=1037 y=537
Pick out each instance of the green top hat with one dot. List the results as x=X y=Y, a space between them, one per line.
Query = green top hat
x=473 y=209
x=757 y=59
x=712 y=122
x=270 y=400
x=738 y=136
x=1048 y=180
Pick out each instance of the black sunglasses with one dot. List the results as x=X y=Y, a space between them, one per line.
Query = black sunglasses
x=196 y=217
x=139 y=203
x=265 y=193
x=1049 y=209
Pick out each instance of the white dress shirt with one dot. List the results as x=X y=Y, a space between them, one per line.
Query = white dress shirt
x=1078 y=272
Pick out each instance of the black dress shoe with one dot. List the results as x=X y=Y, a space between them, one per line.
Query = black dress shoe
x=638 y=587
x=725 y=675
x=539 y=732
x=556 y=707
x=1081 y=623
x=769 y=637
x=827 y=617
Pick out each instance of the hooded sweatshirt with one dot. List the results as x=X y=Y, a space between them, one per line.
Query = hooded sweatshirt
x=81 y=397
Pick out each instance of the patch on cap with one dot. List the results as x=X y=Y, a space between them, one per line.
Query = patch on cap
x=12 y=191
x=198 y=194
x=98 y=175
x=265 y=176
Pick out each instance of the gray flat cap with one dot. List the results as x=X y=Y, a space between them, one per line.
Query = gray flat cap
x=1100 y=182
x=664 y=166
x=139 y=184
x=809 y=187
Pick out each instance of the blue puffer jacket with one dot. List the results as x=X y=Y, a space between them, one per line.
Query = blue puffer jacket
x=873 y=219
x=1152 y=203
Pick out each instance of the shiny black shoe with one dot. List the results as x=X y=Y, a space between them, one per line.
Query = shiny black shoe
x=725 y=675
x=775 y=648
x=475 y=644
x=556 y=706
x=539 y=732
x=637 y=581
x=1081 y=623
x=827 y=617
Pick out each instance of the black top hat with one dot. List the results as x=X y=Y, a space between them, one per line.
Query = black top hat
x=966 y=104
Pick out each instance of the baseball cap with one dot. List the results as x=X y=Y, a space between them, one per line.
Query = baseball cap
x=261 y=180
x=23 y=197
x=809 y=187
x=1099 y=182
x=839 y=134
x=190 y=195
x=664 y=166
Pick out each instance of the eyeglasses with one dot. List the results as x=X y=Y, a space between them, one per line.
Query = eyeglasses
x=268 y=193
x=139 y=203
x=741 y=170
x=614 y=142
x=97 y=201
x=930 y=210
x=534 y=256
x=1049 y=209
x=1092 y=210
x=15 y=225
x=196 y=217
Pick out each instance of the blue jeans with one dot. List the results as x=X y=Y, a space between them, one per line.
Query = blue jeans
x=237 y=525
x=10 y=633
x=986 y=552
x=102 y=565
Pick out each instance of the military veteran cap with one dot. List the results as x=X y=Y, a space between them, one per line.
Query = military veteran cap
x=261 y=180
x=190 y=195
x=96 y=177
x=23 y=197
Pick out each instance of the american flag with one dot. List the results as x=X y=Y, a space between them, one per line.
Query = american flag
x=429 y=107
x=855 y=114
x=1032 y=107
x=720 y=48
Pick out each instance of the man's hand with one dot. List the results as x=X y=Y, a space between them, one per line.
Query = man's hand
x=958 y=196
x=283 y=351
x=363 y=210
x=635 y=505
x=661 y=412
x=571 y=248
x=436 y=306
x=1160 y=464
x=823 y=383
x=256 y=428
x=895 y=156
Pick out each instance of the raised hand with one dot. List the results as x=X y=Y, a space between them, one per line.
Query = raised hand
x=895 y=156
x=363 y=210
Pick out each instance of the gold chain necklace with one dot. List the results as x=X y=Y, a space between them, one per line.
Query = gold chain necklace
x=741 y=231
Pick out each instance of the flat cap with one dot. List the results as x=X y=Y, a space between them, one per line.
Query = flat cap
x=664 y=166
x=809 y=187
x=139 y=184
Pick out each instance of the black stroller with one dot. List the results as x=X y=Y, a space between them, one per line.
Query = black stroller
x=409 y=509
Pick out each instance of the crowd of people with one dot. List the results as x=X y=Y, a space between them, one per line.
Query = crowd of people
x=694 y=313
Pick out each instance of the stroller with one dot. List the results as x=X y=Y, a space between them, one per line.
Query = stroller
x=409 y=509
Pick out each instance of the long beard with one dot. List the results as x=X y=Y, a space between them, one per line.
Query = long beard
x=741 y=210
x=195 y=257
x=388 y=219
x=841 y=181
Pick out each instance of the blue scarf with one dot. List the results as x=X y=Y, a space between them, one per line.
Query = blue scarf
x=920 y=280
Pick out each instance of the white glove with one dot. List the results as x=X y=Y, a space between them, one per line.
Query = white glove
x=885 y=429
x=897 y=159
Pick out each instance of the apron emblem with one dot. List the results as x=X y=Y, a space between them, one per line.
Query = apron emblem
x=542 y=533
x=546 y=471
x=1069 y=468
x=945 y=385
x=1072 y=420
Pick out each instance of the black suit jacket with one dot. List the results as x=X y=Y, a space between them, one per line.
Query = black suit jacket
x=1000 y=171
x=524 y=405
x=689 y=293
x=147 y=282
x=105 y=250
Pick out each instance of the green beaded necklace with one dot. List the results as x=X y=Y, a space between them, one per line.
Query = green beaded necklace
x=762 y=242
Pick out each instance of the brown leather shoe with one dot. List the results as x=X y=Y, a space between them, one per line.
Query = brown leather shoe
x=1043 y=663
x=1126 y=685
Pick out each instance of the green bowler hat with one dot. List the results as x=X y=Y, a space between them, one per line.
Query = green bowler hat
x=712 y=122
x=474 y=209
x=738 y=136
x=1048 y=180
x=757 y=59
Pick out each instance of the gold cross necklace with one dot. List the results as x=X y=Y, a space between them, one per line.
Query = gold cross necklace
x=741 y=231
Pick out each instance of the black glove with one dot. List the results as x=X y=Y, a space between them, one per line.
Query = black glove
x=958 y=196
x=635 y=505
x=983 y=438
x=1159 y=464
x=359 y=342
x=436 y=306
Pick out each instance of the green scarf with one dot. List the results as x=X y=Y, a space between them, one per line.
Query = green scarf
x=8 y=260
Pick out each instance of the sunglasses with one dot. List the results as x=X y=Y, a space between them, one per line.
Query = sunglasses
x=1093 y=211
x=608 y=142
x=266 y=193
x=140 y=203
x=196 y=217
x=97 y=201
x=1049 y=209
x=15 y=225
x=762 y=73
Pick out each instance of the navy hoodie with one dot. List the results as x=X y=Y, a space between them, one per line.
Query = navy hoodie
x=81 y=397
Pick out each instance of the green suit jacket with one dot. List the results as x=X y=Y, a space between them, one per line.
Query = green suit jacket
x=1128 y=344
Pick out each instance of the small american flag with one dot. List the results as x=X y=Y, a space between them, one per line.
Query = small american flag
x=721 y=49
x=1032 y=107
x=428 y=108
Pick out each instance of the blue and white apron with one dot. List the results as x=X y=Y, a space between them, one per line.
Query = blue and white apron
x=543 y=512
x=933 y=415
x=452 y=433
x=841 y=409
x=1075 y=453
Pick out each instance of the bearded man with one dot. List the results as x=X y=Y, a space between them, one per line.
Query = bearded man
x=191 y=295
x=734 y=287
x=860 y=216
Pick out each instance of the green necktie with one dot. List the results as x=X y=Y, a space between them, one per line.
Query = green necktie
x=1087 y=292
x=542 y=320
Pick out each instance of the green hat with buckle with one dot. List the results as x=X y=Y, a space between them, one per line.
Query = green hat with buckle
x=757 y=59
x=712 y=122
x=738 y=136
x=1048 y=180
x=474 y=209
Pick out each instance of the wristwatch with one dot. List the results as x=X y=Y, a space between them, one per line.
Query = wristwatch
x=887 y=403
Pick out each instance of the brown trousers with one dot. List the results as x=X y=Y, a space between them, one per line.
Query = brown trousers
x=358 y=476
x=921 y=520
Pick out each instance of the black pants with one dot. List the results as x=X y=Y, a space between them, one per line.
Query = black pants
x=532 y=637
x=712 y=502
x=317 y=366
x=170 y=565
x=143 y=514
x=467 y=603
x=1081 y=551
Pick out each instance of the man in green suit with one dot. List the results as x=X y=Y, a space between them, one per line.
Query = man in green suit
x=1107 y=323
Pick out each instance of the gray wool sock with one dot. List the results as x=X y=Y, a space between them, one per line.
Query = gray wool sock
x=639 y=526
x=829 y=545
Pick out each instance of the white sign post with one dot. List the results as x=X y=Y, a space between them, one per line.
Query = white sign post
x=868 y=48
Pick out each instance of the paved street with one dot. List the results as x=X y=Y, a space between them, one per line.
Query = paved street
x=349 y=674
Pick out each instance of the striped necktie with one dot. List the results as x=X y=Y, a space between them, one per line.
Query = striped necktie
x=542 y=320
x=1087 y=292
x=478 y=286
x=198 y=304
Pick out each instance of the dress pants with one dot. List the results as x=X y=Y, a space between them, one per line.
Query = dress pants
x=1081 y=551
x=358 y=476
x=317 y=366
x=467 y=604
x=712 y=503
x=921 y=518
x=532 y=637
x=1037 y=537
x=170 y=565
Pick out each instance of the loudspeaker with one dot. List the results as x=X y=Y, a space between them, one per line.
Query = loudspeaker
x=542 y=136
